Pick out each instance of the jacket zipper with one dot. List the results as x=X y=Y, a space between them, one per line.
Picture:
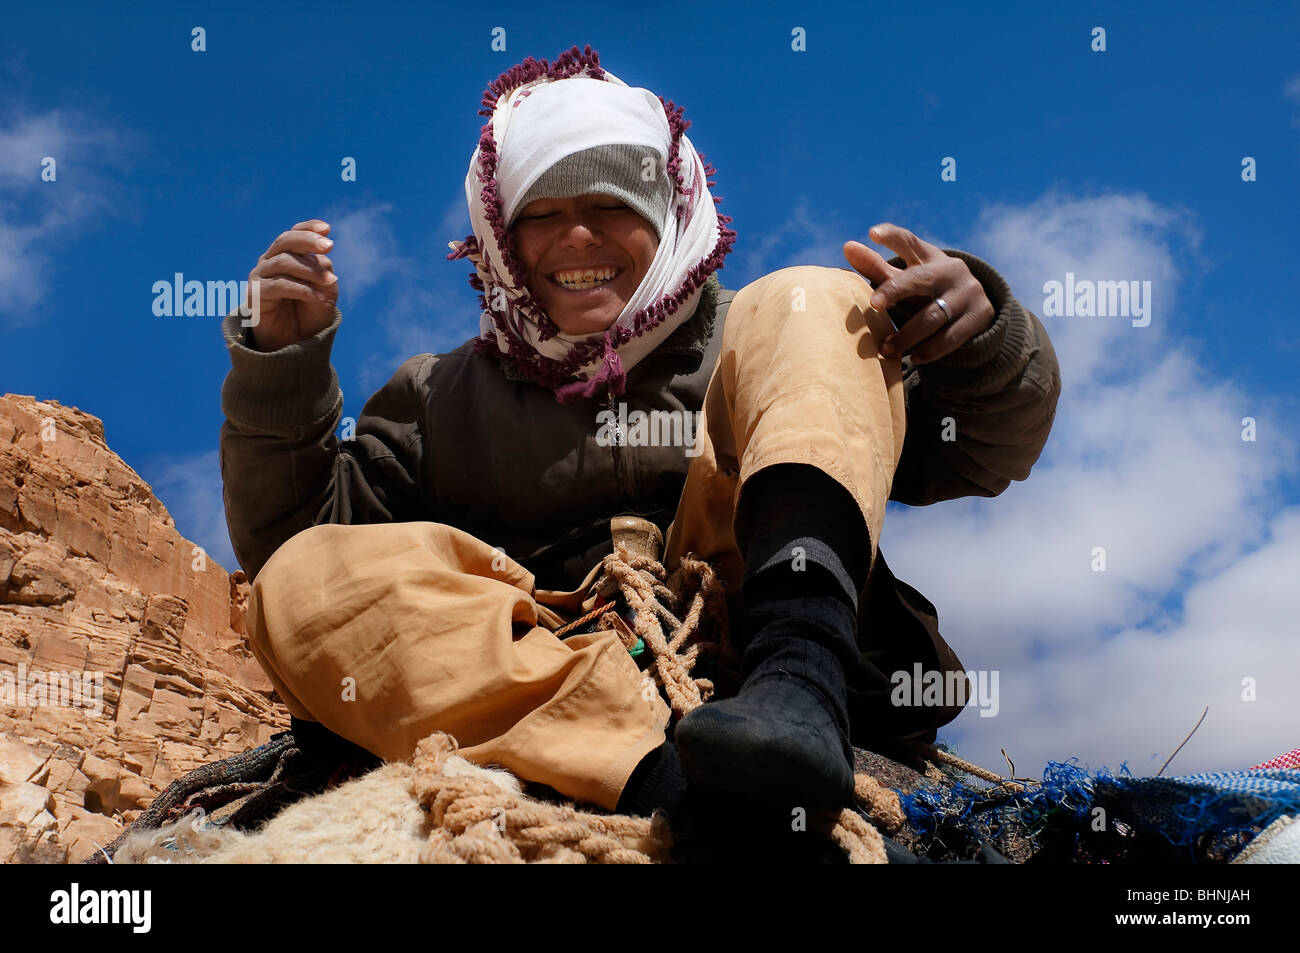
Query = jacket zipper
x=619 y=437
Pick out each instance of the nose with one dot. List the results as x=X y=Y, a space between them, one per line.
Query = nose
x=579 y=218
x=579 y=229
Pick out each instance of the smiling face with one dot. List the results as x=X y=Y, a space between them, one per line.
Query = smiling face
x=587 y=233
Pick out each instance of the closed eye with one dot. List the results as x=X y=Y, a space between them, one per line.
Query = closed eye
x=603 y=208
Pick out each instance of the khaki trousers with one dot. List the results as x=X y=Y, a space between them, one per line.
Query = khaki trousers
x=385 y=633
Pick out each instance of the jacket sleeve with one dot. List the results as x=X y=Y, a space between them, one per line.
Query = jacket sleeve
x=283 y=468
x=1000 y=388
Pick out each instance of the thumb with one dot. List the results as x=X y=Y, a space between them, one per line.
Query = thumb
x=868 y=263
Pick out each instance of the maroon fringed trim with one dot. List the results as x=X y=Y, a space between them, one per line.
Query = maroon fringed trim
x=558 y=376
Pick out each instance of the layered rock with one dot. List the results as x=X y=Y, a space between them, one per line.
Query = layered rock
x=143 y=631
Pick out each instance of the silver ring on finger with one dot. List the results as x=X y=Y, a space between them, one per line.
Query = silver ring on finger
x=947 y=313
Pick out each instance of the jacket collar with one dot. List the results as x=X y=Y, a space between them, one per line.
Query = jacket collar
x=690 y=340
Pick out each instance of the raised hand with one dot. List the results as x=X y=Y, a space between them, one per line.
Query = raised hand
x=931 y=277
x=297 y=286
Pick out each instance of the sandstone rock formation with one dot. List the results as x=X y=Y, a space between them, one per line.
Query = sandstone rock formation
x=143 y=632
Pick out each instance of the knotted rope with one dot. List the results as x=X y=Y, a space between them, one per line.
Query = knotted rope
x=478 y=822
x=643 y=583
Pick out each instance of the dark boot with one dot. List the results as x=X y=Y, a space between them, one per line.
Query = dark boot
x=784 y=739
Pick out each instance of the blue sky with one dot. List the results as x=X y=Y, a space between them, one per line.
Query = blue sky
x=1115 y=165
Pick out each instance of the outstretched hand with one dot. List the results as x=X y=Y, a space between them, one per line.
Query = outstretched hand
x=930 y=277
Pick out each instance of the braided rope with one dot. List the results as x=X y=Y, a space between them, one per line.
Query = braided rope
x=880 y=802
x=642 y=582
x=858 y=839
x=477 y=822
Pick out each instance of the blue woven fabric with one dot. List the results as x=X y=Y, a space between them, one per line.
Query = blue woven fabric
x=1066 y=791
x=1187 y=807
x=1181 y=811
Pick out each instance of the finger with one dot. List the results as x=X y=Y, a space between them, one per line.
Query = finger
x=869 y=263
x=327 y=286
x=280 y=288
x=315 y=262
x=302 y=241
x=315 y=224
x=952 y=336
x=928 y=321
x=912 y=249
x=919 y=281
x=316 y=269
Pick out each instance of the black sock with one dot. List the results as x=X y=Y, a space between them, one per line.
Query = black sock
x=807 y=552
x=657 y=781
x=802 y=535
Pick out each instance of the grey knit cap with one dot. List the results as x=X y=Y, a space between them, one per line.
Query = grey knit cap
x=615 y=170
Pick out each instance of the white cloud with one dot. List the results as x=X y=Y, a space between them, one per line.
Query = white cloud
x=35 y=215
x=1145 y=459
x=1135 y=695
x=1111 y=237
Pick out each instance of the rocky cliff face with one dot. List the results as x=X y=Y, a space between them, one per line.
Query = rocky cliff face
x=122 y=658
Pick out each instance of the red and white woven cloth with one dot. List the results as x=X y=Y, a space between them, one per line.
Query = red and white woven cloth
x=1289 y=760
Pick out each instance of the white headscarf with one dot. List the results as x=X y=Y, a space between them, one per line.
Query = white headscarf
x=539 y=114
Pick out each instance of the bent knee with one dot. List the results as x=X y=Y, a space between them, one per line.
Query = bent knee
x=804 y=297
x=799 y=287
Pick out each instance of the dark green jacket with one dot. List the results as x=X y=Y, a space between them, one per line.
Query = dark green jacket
x=452 y=438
